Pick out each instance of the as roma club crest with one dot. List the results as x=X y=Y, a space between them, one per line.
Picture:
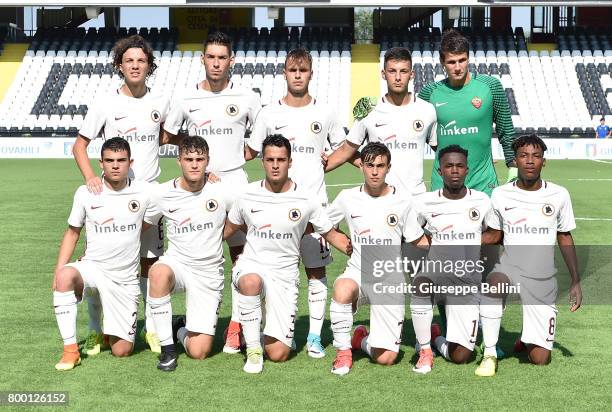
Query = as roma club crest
x=477 y=102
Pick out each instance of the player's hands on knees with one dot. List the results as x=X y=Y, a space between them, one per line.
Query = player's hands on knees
x=575 y=296
x=213 y=178
x=94 y=185
x=54 y=281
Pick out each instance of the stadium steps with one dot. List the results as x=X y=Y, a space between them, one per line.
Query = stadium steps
x=10 y=60
x=364 y=67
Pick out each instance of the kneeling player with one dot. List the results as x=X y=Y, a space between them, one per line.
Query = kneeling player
x=454 y=217
x=113 y=221
x=195 y=213
x=376 y=214
x=530 y=214
x=276 y=214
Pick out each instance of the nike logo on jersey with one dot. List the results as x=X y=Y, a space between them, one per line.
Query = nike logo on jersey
x=279 y=127
x=95 y=207
x=380 y=124
x=355 y=216
x=173 y=210
x=435 y=214
x=255 y=211
x=509 y=208
x=193 y=110
x=117 y=118
x=441 y=104
x=317 y=292
x=246 y=313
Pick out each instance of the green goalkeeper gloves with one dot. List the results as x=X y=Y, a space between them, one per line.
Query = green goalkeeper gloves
x=512 y=174
x=363 y=107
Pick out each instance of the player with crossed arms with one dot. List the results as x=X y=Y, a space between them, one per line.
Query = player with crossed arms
x=220 y=112
x=113 y=220
x=376 y=213
x=310 y=126
x=276 y=214
x=136 y=114
x=195 y=213
x=530 y=216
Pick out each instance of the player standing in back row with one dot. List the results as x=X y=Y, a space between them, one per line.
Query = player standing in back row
x=309 y=125
x=220 y=112
x=135 y=114
x=399 y=121
x=467 y=105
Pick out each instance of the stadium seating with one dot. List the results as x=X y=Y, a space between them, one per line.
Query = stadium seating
x=65 y=70
x=559 y=93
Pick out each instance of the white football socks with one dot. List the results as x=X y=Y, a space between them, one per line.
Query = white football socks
x=491 y=311
x=365 y=346
x=144 y=292
x=442 y=346
x=422 y=316
x=317 y=298
x=235 y=304
x=94 y=309
x=161 y=316
x=65 y=304
x=250 y=319
x=341 y=316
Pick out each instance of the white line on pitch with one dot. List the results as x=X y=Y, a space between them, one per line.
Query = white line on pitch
x=596 y=219
x=601 y=161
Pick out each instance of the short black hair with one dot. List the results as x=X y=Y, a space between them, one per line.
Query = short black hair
x=220 y=38
x=300 y=54
x=453 y=148
x=374 y=149
x=528 y=140
x=398 y=53
x=193 y=144
x=116 y=144
x=276 y=140
x=132 y=42
x=603 y=119
x=453 y=42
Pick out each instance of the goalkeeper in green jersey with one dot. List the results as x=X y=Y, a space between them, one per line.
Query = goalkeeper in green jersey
x=467 y=105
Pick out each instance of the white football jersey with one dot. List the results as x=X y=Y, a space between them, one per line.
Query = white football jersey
x=113 y=223
x=220 y=118
x=530 y=221
x=378 y=221
x=309 y=129
x=136 y=120
x=453 y=221
x=276 y=223
x=194 y=222
x=405 y=130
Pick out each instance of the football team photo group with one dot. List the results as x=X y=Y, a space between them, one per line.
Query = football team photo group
x=147 y=240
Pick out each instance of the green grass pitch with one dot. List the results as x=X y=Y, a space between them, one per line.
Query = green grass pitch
x=35 y=201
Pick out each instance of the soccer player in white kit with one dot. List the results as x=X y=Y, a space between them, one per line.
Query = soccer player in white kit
x=400 y=121
x=310 y=126
x=376 y=214
x=113 y=220
x=530 y=215
x=195 y=213
x=136 y=114
x=453 y=216
x=276 y=214
x=220 y=112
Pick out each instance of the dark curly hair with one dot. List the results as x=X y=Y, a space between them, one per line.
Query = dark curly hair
x=137 y=42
